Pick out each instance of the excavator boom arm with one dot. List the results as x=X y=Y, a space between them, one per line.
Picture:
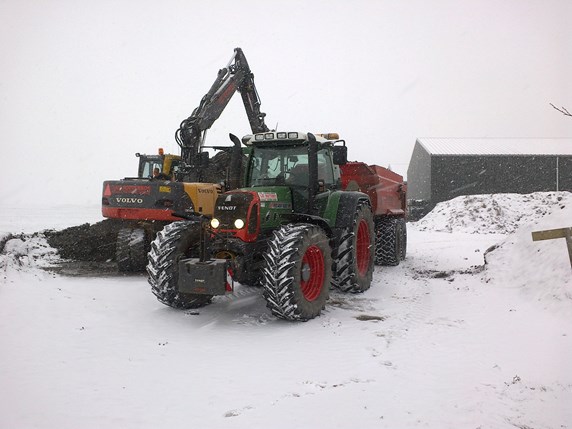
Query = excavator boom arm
x=236 y=76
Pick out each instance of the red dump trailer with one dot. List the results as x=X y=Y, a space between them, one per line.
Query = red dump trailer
x=387 y=193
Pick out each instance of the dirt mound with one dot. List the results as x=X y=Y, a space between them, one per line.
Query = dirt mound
x=84 y=250
x=87 y=242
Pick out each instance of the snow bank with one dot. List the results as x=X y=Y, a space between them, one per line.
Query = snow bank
x=541 y=268
x=25 y=252
x=103 y=352
x=494 y=213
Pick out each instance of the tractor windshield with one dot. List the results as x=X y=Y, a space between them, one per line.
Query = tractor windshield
x=279 y=166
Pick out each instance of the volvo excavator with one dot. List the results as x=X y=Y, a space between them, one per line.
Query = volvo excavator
x=186 y=183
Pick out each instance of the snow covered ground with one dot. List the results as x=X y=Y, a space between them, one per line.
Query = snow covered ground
x=440 y=341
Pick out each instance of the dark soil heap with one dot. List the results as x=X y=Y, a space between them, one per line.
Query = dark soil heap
x=87 y=242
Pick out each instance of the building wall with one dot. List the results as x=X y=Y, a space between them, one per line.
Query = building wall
x=454 y=175
x=419 y=174
x=565 y=173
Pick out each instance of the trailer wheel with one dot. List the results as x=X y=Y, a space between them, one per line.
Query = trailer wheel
x=354 y=256
x=403 y=236
x=131 y=250
x=297 y=272
x=387 y=241
x=176 y=241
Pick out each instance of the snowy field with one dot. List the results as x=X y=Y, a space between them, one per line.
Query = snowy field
x=440 y=341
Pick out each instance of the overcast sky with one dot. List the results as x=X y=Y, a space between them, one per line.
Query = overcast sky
x=85 y=85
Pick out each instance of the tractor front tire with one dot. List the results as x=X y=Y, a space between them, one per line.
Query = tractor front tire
x=131 y=250
x=177 y=240
x=354 y=255
x=297 y=272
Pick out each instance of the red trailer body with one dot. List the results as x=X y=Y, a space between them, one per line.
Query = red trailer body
x=385 y=188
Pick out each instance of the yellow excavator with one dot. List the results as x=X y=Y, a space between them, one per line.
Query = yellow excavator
x=187 y=183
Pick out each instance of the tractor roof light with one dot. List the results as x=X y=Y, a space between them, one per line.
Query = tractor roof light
x=278 y=137
x=161 y=152
x=330 y=136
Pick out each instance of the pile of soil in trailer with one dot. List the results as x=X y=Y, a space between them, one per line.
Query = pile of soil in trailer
x=87 y=249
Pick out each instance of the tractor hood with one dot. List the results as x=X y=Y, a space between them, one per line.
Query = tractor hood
x=245 y=212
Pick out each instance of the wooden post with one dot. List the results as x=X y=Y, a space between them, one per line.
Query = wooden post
x=551 y=234
x=569 y=243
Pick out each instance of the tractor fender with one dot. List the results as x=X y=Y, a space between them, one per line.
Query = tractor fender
x=342 y=207
x=314 y=220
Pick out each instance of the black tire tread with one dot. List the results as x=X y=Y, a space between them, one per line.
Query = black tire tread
x=131 y=250
x=280 y=282
x=175 y=241
x=387 y=242
x=346 y=277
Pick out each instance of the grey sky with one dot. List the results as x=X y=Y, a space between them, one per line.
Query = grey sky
x=85 y=85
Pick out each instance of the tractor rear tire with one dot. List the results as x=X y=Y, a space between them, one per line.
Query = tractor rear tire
x=131 y=250
x=388 y=241
x=178 y=240
x=297 y=272
x=354 y=256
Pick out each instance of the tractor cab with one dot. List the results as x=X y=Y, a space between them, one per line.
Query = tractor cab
x=287 y=174
x=287 y=159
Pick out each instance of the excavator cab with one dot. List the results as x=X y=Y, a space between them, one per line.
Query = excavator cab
x=166 y=163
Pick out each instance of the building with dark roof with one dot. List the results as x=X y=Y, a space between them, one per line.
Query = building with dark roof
x=444 y=168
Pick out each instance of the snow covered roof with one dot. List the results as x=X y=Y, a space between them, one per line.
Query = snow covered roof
x=497 y=146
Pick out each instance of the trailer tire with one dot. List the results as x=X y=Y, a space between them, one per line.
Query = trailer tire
x=355 y=252
x=387 y=242
x=297 y=272
x=176 y=241
x=403 y=237
x=131 y=250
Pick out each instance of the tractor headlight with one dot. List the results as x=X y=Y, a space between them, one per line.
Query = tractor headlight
x=215 y=223
x=239 y=224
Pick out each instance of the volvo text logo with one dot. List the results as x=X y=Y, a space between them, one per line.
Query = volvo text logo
x=126 y=200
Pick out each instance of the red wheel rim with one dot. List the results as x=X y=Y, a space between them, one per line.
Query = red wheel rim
x=312 y=275
x=363 y=248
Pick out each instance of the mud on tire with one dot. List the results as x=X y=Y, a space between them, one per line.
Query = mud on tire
x=176 y=241
x=131 y=250
x=297 y=272
x=354 y=256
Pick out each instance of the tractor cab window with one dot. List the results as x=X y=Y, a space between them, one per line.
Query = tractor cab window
x=325 y=168
x=273 y=166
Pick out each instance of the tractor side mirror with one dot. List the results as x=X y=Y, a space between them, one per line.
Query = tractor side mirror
x=340 y=155
x=235 y=140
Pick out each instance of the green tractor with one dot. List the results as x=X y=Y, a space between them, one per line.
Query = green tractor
x=291 y=229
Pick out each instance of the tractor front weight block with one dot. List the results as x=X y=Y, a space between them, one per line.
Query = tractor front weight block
x=203 y=277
